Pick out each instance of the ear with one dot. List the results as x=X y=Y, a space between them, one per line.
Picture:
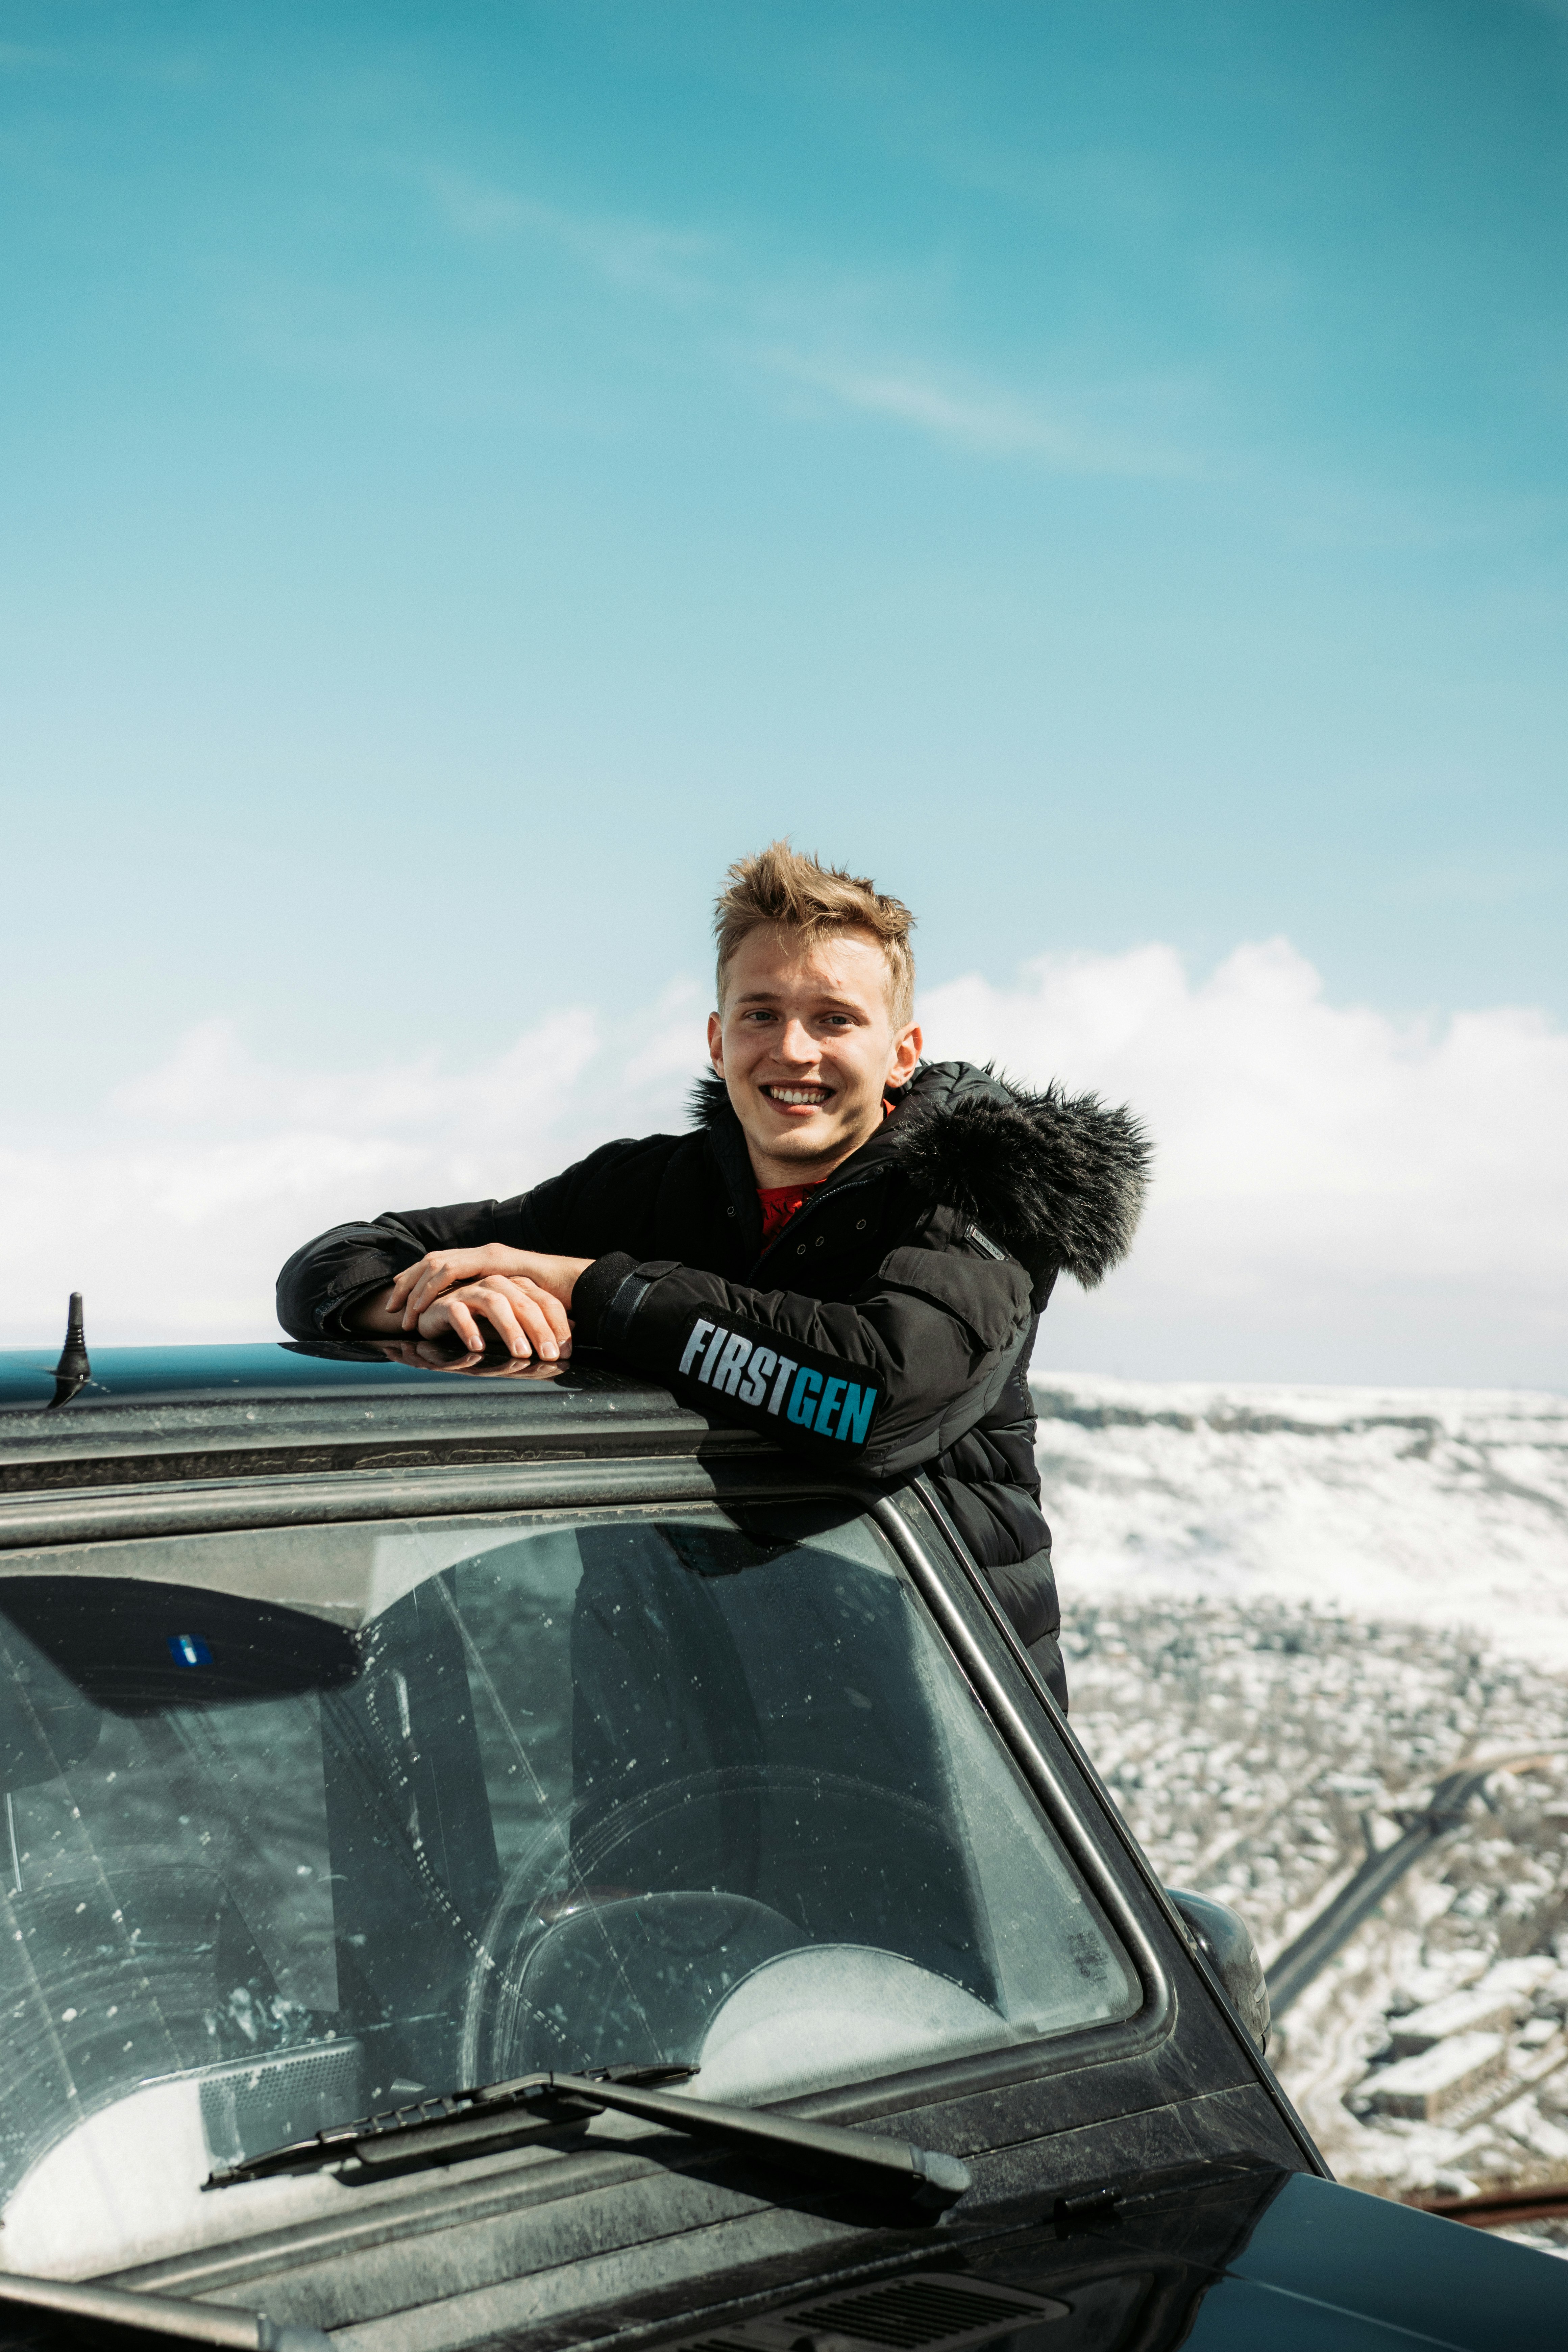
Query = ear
x=716 y=1043
x=906 y=1054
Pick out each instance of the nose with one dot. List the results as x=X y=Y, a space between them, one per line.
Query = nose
x=798 y=1045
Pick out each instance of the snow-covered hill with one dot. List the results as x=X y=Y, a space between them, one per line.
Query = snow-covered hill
x=1429 y=1506
x=1287 y=1611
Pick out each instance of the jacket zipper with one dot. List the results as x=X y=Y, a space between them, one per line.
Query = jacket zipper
x=855 y=1183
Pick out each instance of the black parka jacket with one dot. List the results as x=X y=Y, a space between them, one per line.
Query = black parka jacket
x=889 y=1324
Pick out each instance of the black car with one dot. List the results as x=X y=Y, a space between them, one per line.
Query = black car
x=498 y=1859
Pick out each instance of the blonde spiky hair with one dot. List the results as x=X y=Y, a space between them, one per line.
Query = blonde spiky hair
x=782 y=888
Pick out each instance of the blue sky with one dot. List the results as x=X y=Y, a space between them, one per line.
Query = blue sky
x=471 y=470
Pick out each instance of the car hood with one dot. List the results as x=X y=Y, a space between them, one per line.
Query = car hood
x=1327 y=2266
x=1259 y=2259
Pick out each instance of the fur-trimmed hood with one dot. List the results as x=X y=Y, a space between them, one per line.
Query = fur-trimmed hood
x=1056 y=1180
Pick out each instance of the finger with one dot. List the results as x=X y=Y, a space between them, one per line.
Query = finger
x=540 y=1312
x=408 y=1283
x=443 y=1270
x=458 y=1311
x=432 y=1276
x=402 y=1284
x=529 y=1311
x=554 y=1314
x=498 y=1311
x=451 y=1314
x=464 y=1322
x=437 y=1276
x=534 y=1311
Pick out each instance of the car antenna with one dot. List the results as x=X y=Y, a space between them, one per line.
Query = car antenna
x=73 y=1372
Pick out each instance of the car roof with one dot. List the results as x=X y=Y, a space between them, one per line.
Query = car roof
x=266 y=1369
x=204 y=1412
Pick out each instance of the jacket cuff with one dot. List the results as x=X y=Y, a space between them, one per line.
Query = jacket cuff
x=593 y=1292
x=354 y=1285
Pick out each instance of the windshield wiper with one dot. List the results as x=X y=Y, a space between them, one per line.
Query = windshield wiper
x=161 y=2314
x=500 y=2116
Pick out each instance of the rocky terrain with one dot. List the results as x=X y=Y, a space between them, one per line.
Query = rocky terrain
x=1287 y=1612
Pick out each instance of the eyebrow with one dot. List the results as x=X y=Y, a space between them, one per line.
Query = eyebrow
x=767 y=997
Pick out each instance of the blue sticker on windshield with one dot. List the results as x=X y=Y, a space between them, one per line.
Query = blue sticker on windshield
x=189 y=1650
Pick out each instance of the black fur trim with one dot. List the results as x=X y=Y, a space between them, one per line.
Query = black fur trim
x=1057 y=1179
x=708 y=1096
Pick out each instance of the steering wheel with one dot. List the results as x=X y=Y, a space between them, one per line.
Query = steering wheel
x=625 y=1918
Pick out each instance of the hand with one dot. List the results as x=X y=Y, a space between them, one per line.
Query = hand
x=526 y=1319
x=418 y=1287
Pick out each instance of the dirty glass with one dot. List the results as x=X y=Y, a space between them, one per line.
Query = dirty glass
x=302 y=1824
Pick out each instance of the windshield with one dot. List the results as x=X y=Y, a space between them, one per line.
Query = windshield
x=459 y=1799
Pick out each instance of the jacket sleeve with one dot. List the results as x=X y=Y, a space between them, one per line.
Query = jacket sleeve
x=572 y=1213
x=325 y=1281
x=885 y=1379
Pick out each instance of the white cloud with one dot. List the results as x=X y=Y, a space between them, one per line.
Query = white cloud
x=988 y=420
x=198 y=1178
x=1338 y=1195
x=834 y=335
x=640 y=256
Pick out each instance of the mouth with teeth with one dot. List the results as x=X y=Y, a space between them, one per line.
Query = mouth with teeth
x=798 y=1098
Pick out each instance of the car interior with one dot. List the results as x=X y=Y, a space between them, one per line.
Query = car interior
x=696 y=1786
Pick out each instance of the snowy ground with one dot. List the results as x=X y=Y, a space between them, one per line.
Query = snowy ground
x=1287 y=1612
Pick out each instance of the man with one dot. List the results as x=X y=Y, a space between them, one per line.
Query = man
x=851 y=1251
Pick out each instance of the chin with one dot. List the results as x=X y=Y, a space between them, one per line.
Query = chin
x=798 y=1138
x=797 y=1142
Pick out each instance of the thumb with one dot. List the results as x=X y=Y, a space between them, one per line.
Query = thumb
x=403 y=1284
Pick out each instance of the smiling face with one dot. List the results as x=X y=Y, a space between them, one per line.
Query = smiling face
x=806 y=1045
